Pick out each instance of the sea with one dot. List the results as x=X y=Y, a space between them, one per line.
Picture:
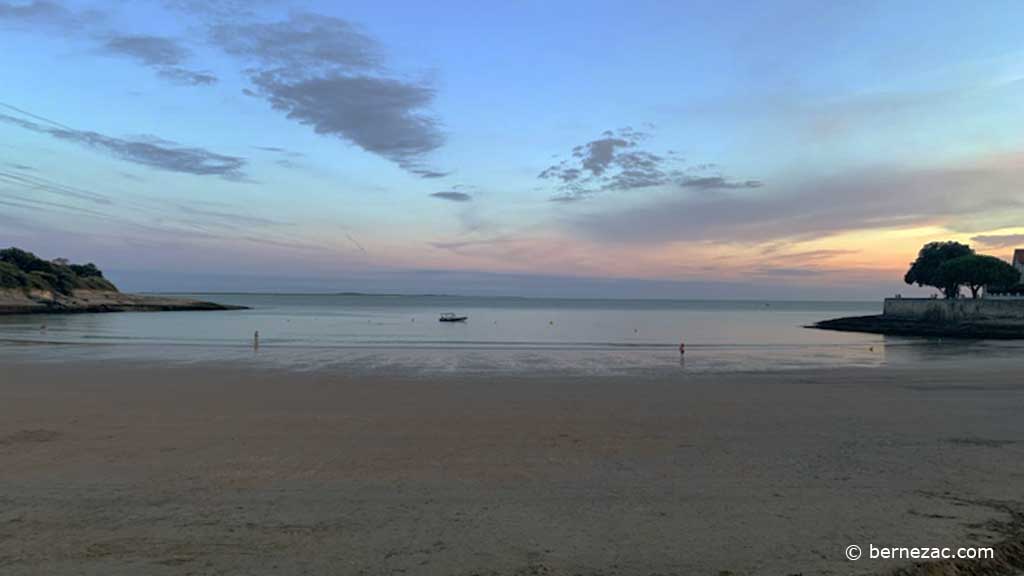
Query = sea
x=362 y=332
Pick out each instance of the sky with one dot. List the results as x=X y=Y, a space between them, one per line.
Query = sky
x=597 y=149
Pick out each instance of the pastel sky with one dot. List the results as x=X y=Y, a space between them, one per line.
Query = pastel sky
x=631 y=149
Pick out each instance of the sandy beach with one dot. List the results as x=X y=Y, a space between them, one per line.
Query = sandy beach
x=119 y=468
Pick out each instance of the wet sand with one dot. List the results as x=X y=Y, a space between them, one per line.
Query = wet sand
x=114 y=468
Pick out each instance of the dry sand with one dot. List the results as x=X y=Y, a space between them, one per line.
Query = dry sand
x=133 y=469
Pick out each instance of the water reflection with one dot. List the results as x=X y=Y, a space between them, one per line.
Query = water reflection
x=307 y=332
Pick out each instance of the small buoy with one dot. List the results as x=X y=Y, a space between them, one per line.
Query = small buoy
x=871 y=349
x=551 y=322
x=682 y=348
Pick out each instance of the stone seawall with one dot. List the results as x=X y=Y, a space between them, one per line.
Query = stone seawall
x=933 y=309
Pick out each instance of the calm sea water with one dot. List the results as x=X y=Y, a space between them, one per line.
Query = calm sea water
x=369 y=332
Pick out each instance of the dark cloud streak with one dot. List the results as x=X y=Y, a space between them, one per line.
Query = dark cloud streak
x=453 y=196
x=717 y=183
x=326 y=73
x=303 y=44
x=376 y=114
x=149 y=50
x=165 y=55
x=38 y=183
x=149 y=151
x=1000 y=240
x=960 y=198
x=47 y=14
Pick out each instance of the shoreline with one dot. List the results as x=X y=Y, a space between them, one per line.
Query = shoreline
x=895 y=326
x=129 y=467
x=14 y=302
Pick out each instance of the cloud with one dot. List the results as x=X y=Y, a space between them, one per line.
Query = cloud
x=146 y=150
x=287 y=158
x=981 y=196
x=459 y=245
x=187 y=77
x=597 y=155
x=149 y=50
x=377 y=114
x=326 y=73
x=717 y=183
x=786 y=272
x=33 y=11
x=35 y=204
x=229 y=219
x=47 y=14
x=617 y=162
x=312 y=42
x=453 y=196
x=612 y=162
x=219 y=9
x=771 y=253
x=355 y=243
x=428 y=173
x=320 y=71
x=41 y=184
x=567 y=198
x=163 y=54
x=1000 y=240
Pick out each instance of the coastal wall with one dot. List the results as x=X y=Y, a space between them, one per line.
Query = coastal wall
x=954 y=310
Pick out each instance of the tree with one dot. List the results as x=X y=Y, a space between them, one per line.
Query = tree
x=976 y=271
x=25 y=270
x=25 y=261
x=925 y=270
x=86 y=270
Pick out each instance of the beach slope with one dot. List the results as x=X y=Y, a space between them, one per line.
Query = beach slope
x=118 y=468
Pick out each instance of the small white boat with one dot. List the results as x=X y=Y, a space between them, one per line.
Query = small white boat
x=451 y=317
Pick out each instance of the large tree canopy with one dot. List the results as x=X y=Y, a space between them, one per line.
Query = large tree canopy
x=925 y=270
x=25 y=271
x=976 y=271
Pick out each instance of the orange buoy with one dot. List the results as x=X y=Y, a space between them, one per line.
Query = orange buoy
x=682 y=348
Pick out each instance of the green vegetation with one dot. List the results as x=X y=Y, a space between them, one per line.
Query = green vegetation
x=976 y=271
x=949 y=266
x=23 y=270
x=925 y=270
